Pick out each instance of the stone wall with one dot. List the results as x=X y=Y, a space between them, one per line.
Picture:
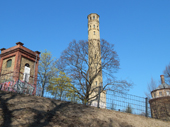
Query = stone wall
x=160 y=108
x=31 y=63
x=163 y=91
x=4 y=65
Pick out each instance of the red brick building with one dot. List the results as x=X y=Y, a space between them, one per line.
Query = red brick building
x=19 y=63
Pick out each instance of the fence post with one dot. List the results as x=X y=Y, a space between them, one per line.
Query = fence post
x=74 y=98
x=98 y=104
x=146 y=107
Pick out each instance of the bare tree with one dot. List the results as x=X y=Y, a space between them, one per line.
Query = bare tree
x=167 y=73
x=151 y=86
x=83 y=68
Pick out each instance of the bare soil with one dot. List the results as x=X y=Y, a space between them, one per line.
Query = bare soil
x=18 y=110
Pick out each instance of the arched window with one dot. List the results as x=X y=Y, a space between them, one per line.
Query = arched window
x=9 y=63
x=93 y=17
x=27 y=65
x=94 y=32
x=93 y=26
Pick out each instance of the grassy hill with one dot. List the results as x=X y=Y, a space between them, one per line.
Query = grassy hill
x=19 y=110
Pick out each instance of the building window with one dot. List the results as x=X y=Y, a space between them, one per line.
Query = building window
x=168 y=93
x=94 y=32
x=93 y=26
x=95 y=56
x=154 y=95
x=90 y=18
x=96 y=83
x=93 y=17
x=9 y=63
x=27 y=65
x=160 y=94
x=90 y=26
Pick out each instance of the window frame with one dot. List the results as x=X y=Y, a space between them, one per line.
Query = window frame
x=8 y=65
x=154 y=95
x=160 y=94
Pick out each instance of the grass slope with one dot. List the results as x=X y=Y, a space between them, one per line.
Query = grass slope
x=18 y=110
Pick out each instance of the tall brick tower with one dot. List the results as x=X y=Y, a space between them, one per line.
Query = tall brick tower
x=94 y=55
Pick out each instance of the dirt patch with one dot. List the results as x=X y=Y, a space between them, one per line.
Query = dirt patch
x=18 y=110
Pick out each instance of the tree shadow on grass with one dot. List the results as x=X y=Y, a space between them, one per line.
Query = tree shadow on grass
x=6 y=113
x=44 y=112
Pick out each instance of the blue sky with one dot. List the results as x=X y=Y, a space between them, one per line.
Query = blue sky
x=140 y=30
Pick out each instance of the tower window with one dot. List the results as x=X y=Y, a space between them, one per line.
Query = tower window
x=160 y=94
x=27 y=65
x=96 y=83
x=9 y=62
x=95 y=56
x=154 y=95
x=93 y=26
x=94 y=32
x=90 y=18
x=168 y=93
x=93 y=17
x=90 y=26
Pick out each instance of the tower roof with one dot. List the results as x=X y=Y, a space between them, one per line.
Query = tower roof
x=163 y=86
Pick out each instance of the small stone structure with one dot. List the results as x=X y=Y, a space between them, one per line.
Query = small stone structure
x=18 y=63
x=160 y=102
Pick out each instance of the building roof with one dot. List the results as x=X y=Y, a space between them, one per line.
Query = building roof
x=162 y=86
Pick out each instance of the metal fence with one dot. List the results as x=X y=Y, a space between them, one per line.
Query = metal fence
x=113 y=100
x=127 y=103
